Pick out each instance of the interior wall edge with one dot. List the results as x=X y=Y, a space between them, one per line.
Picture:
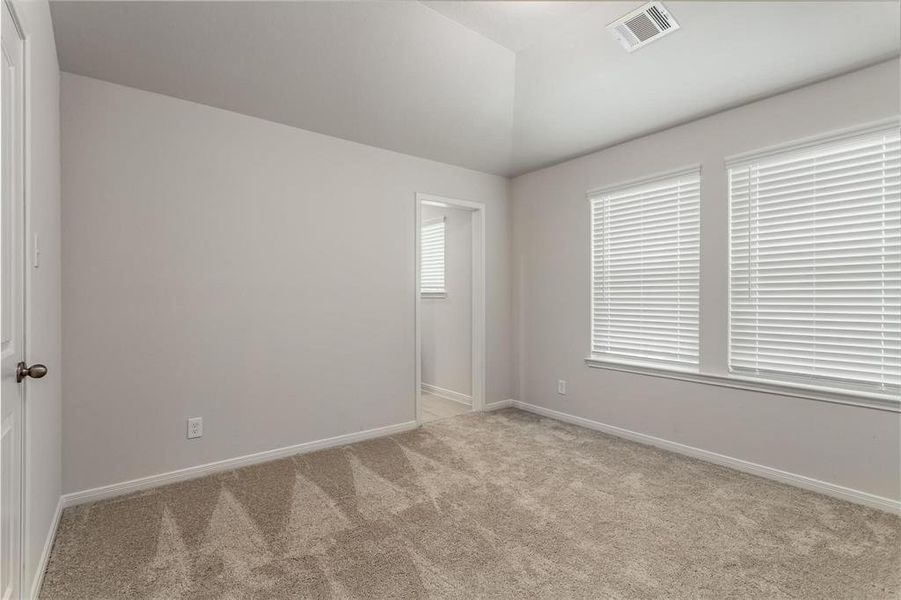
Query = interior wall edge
x=881 y=60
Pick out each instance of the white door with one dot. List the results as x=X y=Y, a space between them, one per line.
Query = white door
x=12 y=306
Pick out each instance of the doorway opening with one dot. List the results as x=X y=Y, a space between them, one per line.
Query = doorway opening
x=450 y=307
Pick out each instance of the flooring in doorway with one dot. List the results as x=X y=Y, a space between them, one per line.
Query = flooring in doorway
x=435 y=408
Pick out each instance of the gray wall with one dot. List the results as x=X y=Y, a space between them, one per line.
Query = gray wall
x=845 y=445
x=43 y=330
x=254 y=274
x=447 y=322
x=222 y=266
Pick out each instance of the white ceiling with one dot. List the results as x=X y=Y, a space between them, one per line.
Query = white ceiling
x=502 y=87
x=518 y=25
x=396 y=74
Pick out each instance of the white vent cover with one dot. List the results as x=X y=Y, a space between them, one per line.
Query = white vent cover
x=643 y=25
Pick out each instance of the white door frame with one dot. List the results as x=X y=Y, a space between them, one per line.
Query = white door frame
x=477 y=212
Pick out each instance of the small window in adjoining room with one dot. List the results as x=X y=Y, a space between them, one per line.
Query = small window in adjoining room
x=645 y=242
x=432 y=264
x=815 y=255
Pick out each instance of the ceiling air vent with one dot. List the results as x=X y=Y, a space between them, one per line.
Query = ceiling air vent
x=643 y=25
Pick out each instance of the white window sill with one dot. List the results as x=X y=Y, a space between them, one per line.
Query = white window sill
x=795 y=390
x=434 y=295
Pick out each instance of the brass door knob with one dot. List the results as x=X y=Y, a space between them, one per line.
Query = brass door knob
x=34 y=371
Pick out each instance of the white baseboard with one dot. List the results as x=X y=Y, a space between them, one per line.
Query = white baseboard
x=38 y=578
x=152 y=481
x=447 y=394
x=801 y=481
x=143 y=483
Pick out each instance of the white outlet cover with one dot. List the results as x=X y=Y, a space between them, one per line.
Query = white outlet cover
x=561 y=387
x=195 y=427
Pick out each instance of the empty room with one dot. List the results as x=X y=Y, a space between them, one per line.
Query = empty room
x=450 y=299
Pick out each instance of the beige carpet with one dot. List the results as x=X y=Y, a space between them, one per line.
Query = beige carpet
x=498 y=505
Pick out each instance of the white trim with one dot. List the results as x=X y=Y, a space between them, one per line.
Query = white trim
x=152 y=481
x=447 y=394
x=499 y=404
x=780 y=388
x=600 y=195
x=38 y=578
x=417 y=310
x=445 y=202
x=479 y=304
x=787 y=384
x=793 y=479
x=478 y=223
x=739 y=160
x=593 y=193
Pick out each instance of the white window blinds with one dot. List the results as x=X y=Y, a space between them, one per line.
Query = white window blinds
x=432 y=258
x=644 y=272
x=816 y=264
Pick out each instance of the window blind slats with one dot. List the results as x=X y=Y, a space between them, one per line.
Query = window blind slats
x=432 y=248
x=644 y=272
x=651 y=195
x=848 y=180
x=815 y=251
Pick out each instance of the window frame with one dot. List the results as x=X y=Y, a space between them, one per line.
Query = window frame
x=611 y=361
x=434 y=293
x=789 y=389
x=810 y=387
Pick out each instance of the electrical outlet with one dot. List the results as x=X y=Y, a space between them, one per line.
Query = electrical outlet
x=561 y=387
x=195 y=427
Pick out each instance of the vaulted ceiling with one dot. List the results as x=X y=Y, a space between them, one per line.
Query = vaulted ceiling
x=502 y=87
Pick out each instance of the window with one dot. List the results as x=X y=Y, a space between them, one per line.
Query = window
x=432 y=259
x=815 y=248
x=644 y=272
